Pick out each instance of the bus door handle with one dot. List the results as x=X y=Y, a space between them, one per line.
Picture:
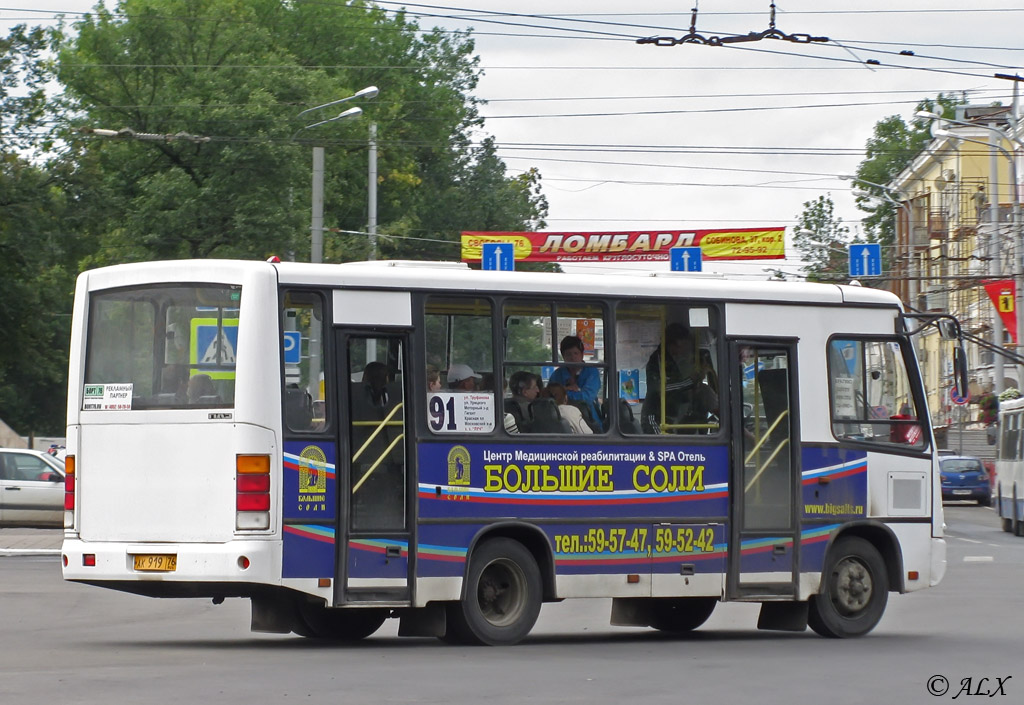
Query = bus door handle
x=779 y=549
x=393 y=552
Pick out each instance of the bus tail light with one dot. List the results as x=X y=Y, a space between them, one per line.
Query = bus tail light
x=252 y=492
x=69 y=492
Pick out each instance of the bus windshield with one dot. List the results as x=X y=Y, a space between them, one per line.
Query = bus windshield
x=162 y=347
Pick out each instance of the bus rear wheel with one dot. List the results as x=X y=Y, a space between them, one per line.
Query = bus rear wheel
x=502 y=596
x=320 y=622
x=854 y=590
x=680 y=615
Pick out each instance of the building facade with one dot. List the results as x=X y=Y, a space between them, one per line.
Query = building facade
x=956 y=233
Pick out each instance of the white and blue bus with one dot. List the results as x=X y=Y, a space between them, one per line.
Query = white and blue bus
x=338 y=443
x=1009 y=489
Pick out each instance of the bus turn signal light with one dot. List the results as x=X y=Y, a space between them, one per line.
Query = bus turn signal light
x=70 y=483
x=252 y=492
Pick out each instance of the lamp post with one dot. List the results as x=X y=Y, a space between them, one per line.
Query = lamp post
x=938 y=130
x=316 y=250
x=809 y=235
x=886 y=190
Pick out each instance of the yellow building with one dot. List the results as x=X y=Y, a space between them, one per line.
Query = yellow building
x=955 y=232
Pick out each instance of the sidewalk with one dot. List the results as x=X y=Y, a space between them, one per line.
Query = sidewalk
x=30 y=542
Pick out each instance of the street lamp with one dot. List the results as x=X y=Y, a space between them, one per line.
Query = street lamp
x=809 y=239
x=316 y=250
x=885 y=191
x=939 y=130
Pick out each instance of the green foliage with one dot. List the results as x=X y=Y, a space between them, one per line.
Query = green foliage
x=821 y=239
x=240 y=73
x=237 y=72
x=35 y=299
x=23 y=75
x=892 y=146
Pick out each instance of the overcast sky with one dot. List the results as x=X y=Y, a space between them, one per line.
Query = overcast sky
x=632 y=136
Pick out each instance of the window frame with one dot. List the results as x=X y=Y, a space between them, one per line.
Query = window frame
x=327 y=362
x=159 y=307
x=914 y=383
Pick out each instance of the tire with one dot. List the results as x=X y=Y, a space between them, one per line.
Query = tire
x=681 y=615
x=350 y=624
x=1007 y=525
x=854 y=590
x=1018 y=524
x=502 y=596
x=985 y=502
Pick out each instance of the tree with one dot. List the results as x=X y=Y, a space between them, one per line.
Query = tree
x=821 y=239
x=892 y=146
x=212 y=90
x=239 y=73
x=36 y=282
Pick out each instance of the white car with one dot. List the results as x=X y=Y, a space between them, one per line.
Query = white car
x=31 y=488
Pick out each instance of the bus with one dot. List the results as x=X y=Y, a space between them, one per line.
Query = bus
x=1009 y=490
x=337 y=444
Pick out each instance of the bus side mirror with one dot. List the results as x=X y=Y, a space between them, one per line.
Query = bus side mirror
x=960 y=370
x=947 y=329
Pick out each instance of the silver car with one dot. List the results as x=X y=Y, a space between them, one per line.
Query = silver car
x=31 y=488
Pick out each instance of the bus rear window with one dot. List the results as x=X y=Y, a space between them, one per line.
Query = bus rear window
x=162 y=347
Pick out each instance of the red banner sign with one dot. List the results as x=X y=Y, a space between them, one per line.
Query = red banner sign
x=631 y=246
x=1003 y=295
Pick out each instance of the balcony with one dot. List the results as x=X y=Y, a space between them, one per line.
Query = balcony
x=938 y=225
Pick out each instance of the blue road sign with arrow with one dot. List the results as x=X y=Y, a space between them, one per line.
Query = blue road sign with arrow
x=866 y=260
x=685 y=259
x=498 y=256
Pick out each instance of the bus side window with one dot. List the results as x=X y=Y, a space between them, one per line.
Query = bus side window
x=871 y=394
x=302 y=345
x=666 y=368
x=458 y=342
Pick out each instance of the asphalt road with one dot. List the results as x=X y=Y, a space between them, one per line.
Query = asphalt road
x=66 y=643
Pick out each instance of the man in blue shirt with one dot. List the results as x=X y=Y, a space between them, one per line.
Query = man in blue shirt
x=582 y=384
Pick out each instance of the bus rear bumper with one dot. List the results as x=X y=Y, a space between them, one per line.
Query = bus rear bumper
x=197 y=569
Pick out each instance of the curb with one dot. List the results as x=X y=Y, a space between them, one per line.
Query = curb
x=29 y=551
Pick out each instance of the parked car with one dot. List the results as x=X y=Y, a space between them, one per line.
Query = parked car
x=31 y=488
x=965 y=477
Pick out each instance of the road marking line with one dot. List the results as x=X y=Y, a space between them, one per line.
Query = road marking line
x=969 y=540
x=978 y=559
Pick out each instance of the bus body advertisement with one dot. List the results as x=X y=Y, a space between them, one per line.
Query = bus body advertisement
x=343 y=444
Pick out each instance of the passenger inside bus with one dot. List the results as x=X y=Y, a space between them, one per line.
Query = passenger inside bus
x=201 y=390
x=375 y=384
x=581 y=383
x=525 y=388
x=569 y=412
x=686 y=383
x=462 y=378
x=433 y=379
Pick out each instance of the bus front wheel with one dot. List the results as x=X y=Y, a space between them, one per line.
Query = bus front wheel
x=502 y=596
x=854 y=590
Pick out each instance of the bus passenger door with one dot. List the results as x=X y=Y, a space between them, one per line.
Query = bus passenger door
x=374 y=514
x=764 y=533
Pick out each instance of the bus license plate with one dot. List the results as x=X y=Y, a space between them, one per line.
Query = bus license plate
x=164 y=561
